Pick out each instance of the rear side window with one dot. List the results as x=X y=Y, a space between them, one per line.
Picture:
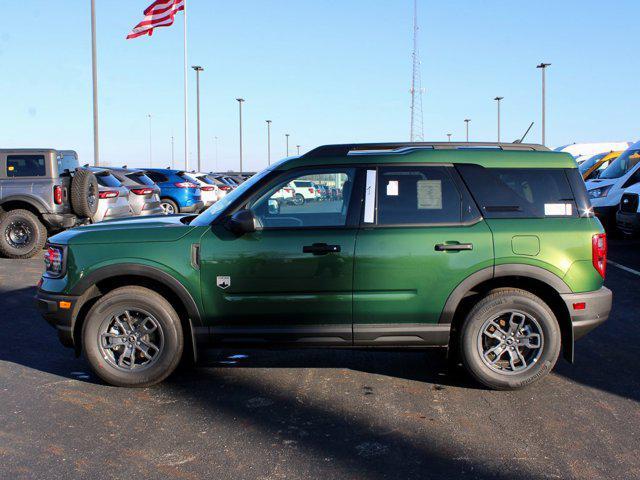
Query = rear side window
x=68 y=162
x=108 y=180
x=140 y=178
x=157 y=177
x=26 y=166
x=417 y=195
x=521 y=192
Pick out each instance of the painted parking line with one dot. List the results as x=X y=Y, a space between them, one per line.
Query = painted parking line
x=622 y=267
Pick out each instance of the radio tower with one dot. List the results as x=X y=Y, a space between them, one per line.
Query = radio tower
x=417 y=130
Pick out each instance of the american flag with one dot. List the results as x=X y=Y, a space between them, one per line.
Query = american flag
x=159 y=14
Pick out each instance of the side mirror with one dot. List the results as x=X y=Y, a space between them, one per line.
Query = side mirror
x=274 y=206
x=242 y=222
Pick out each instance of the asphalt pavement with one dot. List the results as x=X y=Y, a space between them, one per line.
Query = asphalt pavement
x=318 y=413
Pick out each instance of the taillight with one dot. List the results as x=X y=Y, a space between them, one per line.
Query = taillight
x=108 y=194
x=186 y=185
x=224 y=188
x=599 y=252
x=53 y=261
x=207 y=189
x=57 y=195
x=142 y=191
x=311 y=190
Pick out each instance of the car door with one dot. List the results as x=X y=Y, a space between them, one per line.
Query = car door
x=421 y=236
x=291 y=281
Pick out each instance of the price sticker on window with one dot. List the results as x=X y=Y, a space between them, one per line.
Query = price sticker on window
x=429 y=194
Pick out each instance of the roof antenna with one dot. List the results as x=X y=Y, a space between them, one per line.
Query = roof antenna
x=520 y=140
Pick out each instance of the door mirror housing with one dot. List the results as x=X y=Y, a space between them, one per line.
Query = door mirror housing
x=241 y=222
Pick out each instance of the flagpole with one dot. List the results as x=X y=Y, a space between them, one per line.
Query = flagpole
x=186 y=96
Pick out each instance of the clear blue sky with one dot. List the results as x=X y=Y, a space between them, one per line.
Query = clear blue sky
x=325 y=72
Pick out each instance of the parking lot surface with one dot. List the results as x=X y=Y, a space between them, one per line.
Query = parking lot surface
x=318 y=413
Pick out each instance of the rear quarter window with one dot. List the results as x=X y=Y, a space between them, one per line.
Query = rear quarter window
x=26 y=166
x=140 y=178
x=157 y=177
x=108 y=180
x=523 y=192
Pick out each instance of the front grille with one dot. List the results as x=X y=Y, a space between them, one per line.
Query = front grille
x=629 y=203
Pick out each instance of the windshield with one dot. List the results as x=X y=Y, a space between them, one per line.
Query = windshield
x=210 y=214
x=587 y=164
x=621 y=165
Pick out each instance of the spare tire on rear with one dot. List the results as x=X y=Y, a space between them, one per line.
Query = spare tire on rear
x=84 y=193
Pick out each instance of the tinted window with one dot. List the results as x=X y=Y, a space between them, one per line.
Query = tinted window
x=417 y=195
x=108 y=180
x=25 y=166
x=157 y=177
x=621 y=165
x=520 y=192
x=140 y=178
x=587 y=164
x=67 y=161
x=284 y=206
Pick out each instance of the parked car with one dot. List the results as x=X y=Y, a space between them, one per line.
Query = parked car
x=229 y=181
x=209 y=192
x=584 y=151
x=284 y=196
x=178 y=193
x=593 y=167
x=628 y=215
x=305 y=191
x=113 y=196
x=221 y=188
x=41 y=193
x=493 y=253
x=606 y=191
x=144 y=194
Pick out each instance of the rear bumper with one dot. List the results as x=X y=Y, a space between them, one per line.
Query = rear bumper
x=62 y=319
x=628 y=221
x=195 y=207
x=597 y=306
x=60 y=220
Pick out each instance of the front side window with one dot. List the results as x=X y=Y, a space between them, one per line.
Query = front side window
x=417 y=196
x=297 y=201
x=26 y=166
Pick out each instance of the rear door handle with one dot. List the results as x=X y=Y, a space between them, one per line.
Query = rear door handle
x=456 y=247
x=320 y=249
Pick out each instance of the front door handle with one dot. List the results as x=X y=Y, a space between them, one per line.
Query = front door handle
x=320 y=249
x=455 y=247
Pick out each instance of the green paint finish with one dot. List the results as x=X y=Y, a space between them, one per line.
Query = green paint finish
x=528 y=245
x=401 y=278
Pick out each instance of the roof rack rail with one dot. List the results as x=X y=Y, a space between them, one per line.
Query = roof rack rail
x=342 y=150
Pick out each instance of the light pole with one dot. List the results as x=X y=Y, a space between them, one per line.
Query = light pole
x=497 y=99
x=240 y=102
x=150 y=144
x=287 y=137
x=172 y=152
x=198 y=69
x=449 y=136
x=94 y=70
x=466 y=122
x=215 y=139
x=298 y=147
x=268 y=142
x=543 y=66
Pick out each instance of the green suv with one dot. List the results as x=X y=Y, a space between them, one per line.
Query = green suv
x=490 y=250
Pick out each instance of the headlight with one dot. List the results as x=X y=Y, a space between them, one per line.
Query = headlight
x=599 y=192
x=54 y=261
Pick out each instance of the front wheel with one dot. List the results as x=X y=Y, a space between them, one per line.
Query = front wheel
x=510 y=339
x=298 y=199
x=132 y=337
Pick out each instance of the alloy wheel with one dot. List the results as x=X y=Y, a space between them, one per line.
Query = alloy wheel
x=167 y=208
x=18 y=234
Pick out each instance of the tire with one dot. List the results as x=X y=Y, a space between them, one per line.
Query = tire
x=298 y=199
x=479 y=350
x=84 y=193
x=22 y=234
x=169 y=207
x=111 y=356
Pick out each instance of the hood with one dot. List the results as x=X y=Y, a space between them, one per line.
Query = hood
x=600 y=182
x=155 y=228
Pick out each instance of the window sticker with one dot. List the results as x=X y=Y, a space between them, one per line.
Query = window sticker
x=558 y=209
x=392 y=188
x=429 y=194
x=370 y=197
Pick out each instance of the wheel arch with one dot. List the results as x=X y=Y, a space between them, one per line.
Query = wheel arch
x=110 y=277
x=26 y=202
x=536 y=280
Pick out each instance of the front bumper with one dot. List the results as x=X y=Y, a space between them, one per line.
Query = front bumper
x=63 y=319
x=597 y=306
x=193 y=208
x=628 y=222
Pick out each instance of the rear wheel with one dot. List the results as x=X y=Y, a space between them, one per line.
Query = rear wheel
x=132 y=337
x=510 y=339
x=169 y=207
x=22 y=234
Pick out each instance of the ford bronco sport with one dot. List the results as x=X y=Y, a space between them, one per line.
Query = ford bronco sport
x=490 y=250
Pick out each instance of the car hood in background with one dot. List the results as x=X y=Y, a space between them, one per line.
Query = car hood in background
x=601 y=182
x=156 y=228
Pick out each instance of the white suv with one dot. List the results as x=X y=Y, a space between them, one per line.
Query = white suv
x=304 y=191
x=208 y=191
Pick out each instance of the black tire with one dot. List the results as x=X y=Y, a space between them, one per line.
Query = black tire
x=167 y=337
x=514 y=304
x=84 y=193
x=169 y=207
x=22 y=234
x=298 y=199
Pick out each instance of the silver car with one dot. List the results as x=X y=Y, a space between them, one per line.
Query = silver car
x=113 y=197
x=144 y=194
